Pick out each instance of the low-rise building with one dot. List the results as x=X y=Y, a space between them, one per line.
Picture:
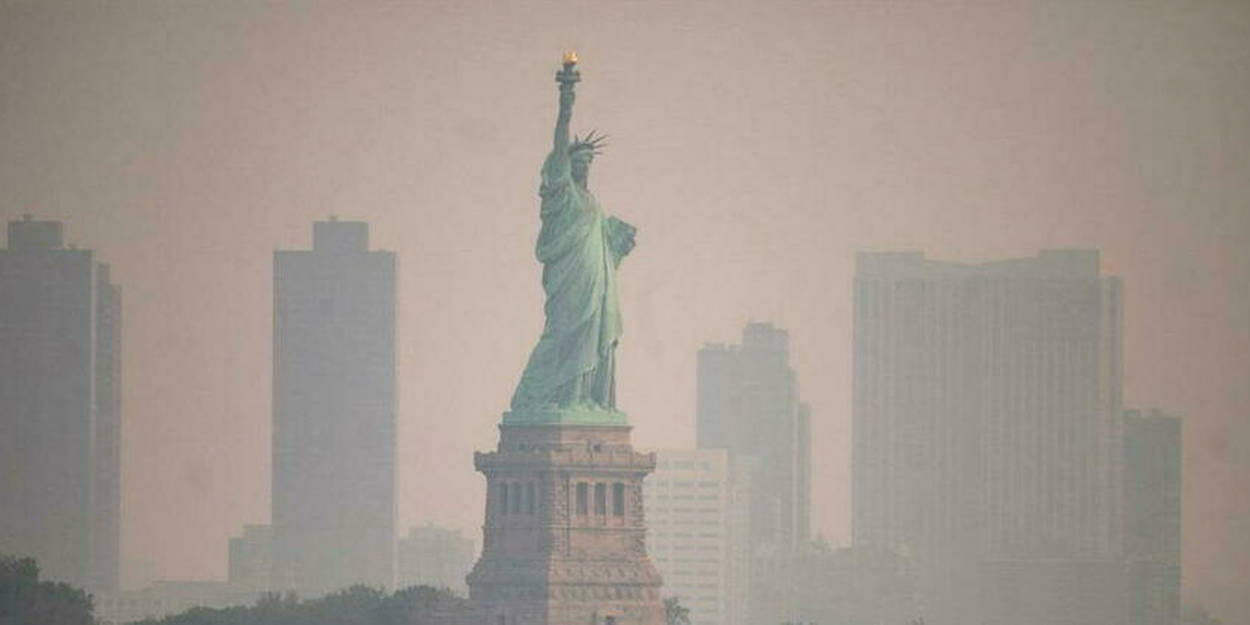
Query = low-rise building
x=435 y=556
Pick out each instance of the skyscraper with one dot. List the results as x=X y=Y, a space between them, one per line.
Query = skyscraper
x=986 y=415
x=1152 y=515
x=334 y=412
x=748 y=405
x=60 y=400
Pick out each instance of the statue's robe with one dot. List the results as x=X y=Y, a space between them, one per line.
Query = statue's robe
x=580 y=248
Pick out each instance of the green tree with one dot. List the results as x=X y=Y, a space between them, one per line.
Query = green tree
x=675 y=613
x=357 y=605
x=24 y=599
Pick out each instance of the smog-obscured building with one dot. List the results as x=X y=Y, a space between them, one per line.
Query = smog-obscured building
x=60 y=407
x=334 y=413
x=435 y=556
x=987 y=427
x=748 y=404
x=1152 y=516
x=250 y=562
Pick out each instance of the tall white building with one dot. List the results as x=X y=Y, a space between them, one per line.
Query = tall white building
x=334 y=413
x=60 y=407
x=697 y=517
x=987 y=421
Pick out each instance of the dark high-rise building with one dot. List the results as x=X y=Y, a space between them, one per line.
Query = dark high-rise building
x=1152 y=516
x=334 y=408
x=60 y=417
x=987 y=426
x=748 y=404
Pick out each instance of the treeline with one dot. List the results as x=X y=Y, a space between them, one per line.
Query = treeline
x=24 y=600
x=358 y=605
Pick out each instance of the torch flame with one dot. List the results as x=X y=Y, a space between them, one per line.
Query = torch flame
x=570 y=57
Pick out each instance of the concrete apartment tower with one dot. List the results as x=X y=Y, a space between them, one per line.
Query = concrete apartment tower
x=564 y=541
x=334 y=413
x=987 y=433
x=748 y=404
x=60 y=407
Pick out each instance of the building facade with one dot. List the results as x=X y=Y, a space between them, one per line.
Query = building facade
x=697 y=513
x=1152 y=515
x=986 y=416
x=334 y=407
x=748 y=404
x=60 y=407
x=435 y=556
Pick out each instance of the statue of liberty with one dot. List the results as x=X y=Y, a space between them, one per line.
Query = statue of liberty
x=571 y=370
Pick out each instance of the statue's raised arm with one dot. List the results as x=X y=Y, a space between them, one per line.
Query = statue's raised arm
x=567 y=76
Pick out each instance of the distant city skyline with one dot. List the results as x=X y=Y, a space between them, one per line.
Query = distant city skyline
x=760 y=148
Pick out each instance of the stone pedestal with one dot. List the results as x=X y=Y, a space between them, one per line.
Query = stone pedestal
x=564 y=538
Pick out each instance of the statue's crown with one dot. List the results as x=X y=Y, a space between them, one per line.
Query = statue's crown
x=592 y=142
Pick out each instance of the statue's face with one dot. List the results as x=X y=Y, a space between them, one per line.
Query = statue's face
x=580 y=164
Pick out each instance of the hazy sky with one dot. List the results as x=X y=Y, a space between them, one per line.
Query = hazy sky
x=756 y=145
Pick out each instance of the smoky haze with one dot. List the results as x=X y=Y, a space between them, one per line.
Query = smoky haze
x=756 y=146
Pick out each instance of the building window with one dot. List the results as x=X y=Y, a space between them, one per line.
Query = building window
x=531 y=505
x=503 y=498
x=583 y=499
x=618 y=499
x=601 y=499
x=516 y=499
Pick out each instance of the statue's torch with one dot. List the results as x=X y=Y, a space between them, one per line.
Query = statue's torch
x=568 y=75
